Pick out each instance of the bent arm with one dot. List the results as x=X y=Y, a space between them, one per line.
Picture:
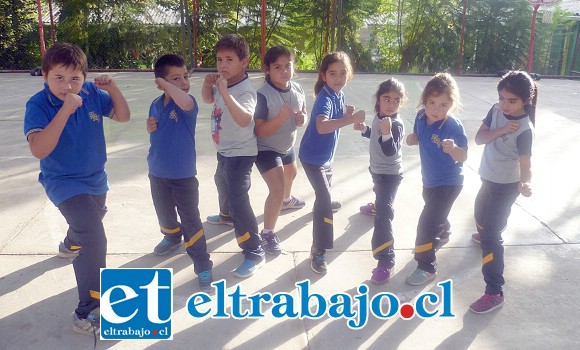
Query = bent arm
x=42 y=143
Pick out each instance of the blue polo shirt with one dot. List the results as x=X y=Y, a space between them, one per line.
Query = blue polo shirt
x=77 y=163
x=437 y=167
x=172 y=151
x=316 y=148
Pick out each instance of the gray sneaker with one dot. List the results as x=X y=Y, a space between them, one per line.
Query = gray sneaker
x=64 y=252
x=90 y=325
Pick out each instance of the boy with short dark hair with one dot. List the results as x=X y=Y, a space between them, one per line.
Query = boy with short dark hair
x=172 y=167
x=232 y=118
x=64 y=127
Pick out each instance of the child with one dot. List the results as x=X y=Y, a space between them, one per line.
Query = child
x=172 y=167
x=318 y=146
x=386 y=137
x=443 y=149
x=64 y=127
x=507 y=132
x=280 y=109
x=234 y=99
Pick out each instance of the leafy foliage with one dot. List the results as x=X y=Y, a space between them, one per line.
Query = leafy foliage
x=379 y=35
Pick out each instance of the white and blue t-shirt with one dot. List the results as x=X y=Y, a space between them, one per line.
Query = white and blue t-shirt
x=77 y=163
x=500 y=162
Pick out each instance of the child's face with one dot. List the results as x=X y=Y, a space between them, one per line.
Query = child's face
x=64 y=80
x=281 y=71
x=389 y=103
x=179 y=77
x=230 y=66
x=335 y=76
x=437 y=107
x=511 y=104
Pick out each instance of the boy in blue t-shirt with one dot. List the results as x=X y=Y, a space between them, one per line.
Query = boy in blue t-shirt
x=232 y=119
x=172 y=167
x=63 y=125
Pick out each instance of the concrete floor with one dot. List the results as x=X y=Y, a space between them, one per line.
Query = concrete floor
x=38 y=289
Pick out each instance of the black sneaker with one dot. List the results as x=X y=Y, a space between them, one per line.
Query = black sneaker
x=318 y=262
x=270 y=243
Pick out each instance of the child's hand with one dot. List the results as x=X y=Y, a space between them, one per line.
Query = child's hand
x=386 y=125
x=525 y=189
x=448 y=145
x=285 y=112
x=71 y=103
x=161 y=83
x=105 y=82
x=358 y=117
x=359 y=126
x=151 y=124
x=511 y=127
x=299 y=118
x=222 y=84
x=211 y=79
x=349 y=110
x=412 y=139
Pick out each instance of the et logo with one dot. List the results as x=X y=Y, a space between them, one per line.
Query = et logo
x=136 y=304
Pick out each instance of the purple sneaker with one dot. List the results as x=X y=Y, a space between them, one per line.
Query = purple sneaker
x=368 y=209
x=381 y=274
x=487 y=303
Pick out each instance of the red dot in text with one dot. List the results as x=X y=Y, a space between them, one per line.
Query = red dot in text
x=154 y=332
x=407 y=311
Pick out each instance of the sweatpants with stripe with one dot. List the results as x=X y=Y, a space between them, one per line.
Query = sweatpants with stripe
x=233 y=181
x=432 y=223
x=320 y=178
x=385 y=187
x=492 y=209
x=181 y=196
x=84 y=214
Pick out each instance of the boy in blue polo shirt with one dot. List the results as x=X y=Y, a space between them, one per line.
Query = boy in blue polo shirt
x=172 y=167
x=63 y=124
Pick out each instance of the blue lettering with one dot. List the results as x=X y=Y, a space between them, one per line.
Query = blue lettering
x=305 y=300
x=192 y=304
x=363 y=304
x=237 y=304
x=447 y=297
x=220 y=288
x=377 y=310
x=256 y=305
x=287 y=305
x=420 y=305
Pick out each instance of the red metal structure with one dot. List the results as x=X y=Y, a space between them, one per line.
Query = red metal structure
x=40 y=29
x=536 y=4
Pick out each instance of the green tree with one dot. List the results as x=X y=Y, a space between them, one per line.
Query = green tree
x=19 y=37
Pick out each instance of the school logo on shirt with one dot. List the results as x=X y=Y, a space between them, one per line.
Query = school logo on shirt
x=136 y=304
x=436 y=140
x=216 y=124
x=94 y=116
x=173 y=115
